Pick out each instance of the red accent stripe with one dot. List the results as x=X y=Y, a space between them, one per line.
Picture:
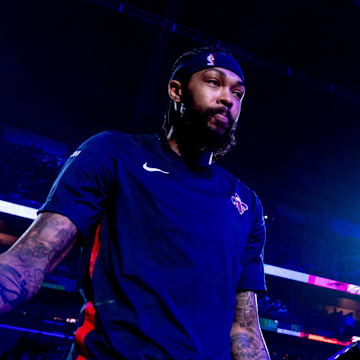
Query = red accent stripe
x=95 y=250
x=89 y=311
x=85 y=328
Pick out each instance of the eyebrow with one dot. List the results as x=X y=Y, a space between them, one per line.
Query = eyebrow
x=223 y=75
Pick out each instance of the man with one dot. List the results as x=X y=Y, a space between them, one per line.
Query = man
x=173 y=244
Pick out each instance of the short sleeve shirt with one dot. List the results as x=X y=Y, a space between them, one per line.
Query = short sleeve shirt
x=168 y=247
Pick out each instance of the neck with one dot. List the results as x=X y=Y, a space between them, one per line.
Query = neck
x=174 y=145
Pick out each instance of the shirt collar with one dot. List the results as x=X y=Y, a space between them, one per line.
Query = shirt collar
x=205 y=160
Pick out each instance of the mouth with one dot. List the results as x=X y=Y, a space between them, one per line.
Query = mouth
x=222 y=118
x=219 y=119
x=219 y=123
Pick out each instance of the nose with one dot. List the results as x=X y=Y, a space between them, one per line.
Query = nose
x=225 y=98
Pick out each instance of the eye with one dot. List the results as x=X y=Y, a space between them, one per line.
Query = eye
x=239 y=94
x=214 y=82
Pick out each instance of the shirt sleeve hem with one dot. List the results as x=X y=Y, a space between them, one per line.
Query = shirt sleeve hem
x=71 y=216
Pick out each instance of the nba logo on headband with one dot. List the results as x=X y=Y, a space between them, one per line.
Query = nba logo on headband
x=210 y=59
x=192 y=63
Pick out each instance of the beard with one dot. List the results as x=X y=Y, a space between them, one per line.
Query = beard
x=195 y=133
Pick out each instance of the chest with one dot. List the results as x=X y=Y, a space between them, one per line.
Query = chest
x=157 y=197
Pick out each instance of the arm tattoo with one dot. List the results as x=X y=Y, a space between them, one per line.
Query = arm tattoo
x=246 y=309
x=13 y=289
x=36 y=253
x=45 y=241
x=246 y=338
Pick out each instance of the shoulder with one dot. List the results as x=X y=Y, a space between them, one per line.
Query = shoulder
x=118 y=137
x=114 y=140
x=104 y=138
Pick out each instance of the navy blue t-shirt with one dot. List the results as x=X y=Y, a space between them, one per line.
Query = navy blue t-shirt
x=168 y=247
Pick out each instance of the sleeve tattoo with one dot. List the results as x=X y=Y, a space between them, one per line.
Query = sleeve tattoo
x=24 y=266
x=246 y=338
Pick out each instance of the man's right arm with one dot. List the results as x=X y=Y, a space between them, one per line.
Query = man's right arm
x=24 y=266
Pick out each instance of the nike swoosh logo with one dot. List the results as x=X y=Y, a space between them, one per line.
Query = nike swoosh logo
x=147 y=168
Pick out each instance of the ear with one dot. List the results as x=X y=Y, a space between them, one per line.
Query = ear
x=175 y=90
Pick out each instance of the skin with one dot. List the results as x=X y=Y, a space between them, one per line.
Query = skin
x=247 y=341
x=222 y=89
x=216 y=88
x=36 y=253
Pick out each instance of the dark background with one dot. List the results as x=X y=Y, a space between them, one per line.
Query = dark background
x=69 y=69
x=72 y=68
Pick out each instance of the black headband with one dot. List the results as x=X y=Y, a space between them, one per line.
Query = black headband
x=206 y=60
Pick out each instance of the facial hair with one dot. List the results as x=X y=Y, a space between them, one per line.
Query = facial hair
x=194 y=136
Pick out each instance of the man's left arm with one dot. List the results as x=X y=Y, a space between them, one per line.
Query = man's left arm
x=247 y=341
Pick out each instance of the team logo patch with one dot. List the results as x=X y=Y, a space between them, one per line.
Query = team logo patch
x=242 y=207
x=210 y=59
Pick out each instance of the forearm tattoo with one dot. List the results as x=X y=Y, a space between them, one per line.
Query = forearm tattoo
x=13 y=288
x=36 y=253
x=246 y=338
